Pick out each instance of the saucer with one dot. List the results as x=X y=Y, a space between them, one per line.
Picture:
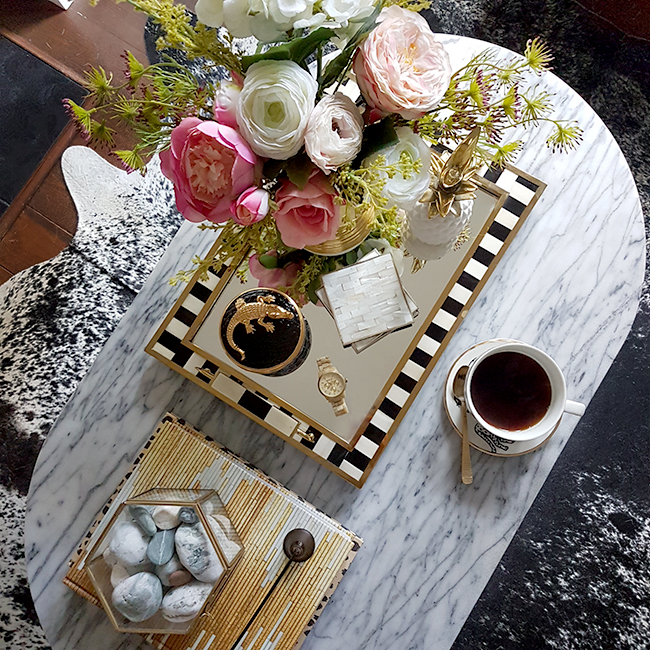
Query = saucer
x=479 y=437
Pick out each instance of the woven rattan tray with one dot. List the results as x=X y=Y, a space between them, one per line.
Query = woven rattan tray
x=263 y=511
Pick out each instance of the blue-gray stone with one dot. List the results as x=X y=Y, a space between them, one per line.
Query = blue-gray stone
x=188 y=515
x=144 y=519
x=161 y=547
x=138 y=597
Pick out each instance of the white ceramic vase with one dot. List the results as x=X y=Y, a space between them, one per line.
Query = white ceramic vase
x=430 y=238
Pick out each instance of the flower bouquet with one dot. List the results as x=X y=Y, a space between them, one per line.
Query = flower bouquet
x=308 y=133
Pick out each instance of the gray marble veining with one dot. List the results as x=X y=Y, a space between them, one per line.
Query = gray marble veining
x=569 y=284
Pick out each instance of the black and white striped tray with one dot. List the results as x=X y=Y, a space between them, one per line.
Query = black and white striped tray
x=516 y=192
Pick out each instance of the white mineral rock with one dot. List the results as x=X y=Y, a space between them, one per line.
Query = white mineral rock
x=119 y=574
x=184 y=603
x=109 y=558
x=196 y=553
x=129 y=544
x=138 y=597
x=166 y=517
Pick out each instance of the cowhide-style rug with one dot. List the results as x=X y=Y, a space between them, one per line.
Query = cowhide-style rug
x=54 y=319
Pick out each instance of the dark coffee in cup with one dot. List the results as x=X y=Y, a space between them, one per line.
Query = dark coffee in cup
x=510 y=390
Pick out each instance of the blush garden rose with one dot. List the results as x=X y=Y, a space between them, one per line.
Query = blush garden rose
x=308 y=216
x=401 y=67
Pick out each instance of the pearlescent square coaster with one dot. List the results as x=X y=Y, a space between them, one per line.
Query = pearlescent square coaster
x=366 y=299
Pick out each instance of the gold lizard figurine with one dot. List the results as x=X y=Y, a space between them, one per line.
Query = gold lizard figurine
x=245 y=312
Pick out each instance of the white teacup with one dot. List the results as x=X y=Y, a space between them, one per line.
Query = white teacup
x=530 y=419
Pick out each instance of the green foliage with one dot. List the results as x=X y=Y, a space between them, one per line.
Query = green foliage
x=376 y=137
x=308 y=279
x=537 y=55
x=81 y=117
x=338 y=67
x=297 y=50
x=151 y=102
x=297 y=169
x=365 y=185
x=497 y=95
x=98 y=84
x=198 y=41
x=234 y=241
x=412 y=5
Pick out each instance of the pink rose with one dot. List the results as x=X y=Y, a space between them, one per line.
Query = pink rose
x=225 y=103
x=210 y=165
x=279 y=278
x=401 y=67
x=308 y=216
x=251 y=206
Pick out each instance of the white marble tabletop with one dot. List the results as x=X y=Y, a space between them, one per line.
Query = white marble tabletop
x=569 y=284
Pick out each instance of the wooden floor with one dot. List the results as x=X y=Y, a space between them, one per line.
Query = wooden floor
x=42 y=219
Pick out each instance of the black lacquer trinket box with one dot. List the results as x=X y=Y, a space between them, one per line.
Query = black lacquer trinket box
x=264 y=331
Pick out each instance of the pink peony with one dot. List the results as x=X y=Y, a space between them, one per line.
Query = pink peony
x=210 y=165
x=251 y=206
x=280 y=278
x=401 y=67
x=309 y=216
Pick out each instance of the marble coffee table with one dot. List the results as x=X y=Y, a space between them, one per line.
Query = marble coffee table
x=569 y=284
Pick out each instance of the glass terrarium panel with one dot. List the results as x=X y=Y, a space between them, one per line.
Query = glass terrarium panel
x=367 y=372
x=170 y=495
x=202 y=549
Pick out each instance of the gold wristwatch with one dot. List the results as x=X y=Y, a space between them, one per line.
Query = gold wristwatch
x=331 y=384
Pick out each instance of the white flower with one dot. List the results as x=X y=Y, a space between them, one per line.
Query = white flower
x=274 y=107
x=340 y=12
x=270 y=19
x=236 y=18
x=406 y=192
x=210 y=12
x=334 y=132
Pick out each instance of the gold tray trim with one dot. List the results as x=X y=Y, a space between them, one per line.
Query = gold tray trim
x=350 y=460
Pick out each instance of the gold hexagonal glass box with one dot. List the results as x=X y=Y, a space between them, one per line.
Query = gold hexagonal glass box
x=163 y=557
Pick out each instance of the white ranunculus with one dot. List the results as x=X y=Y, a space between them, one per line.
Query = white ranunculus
x=334 y=132
x=210 y=12
x=274 y=107
x=406 y=192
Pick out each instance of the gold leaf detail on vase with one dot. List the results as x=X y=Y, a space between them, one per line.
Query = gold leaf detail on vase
x=463 y=237
x=355 y=227
x=451 y=179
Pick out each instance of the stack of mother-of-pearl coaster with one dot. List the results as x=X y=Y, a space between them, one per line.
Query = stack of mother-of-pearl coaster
x=367 y=300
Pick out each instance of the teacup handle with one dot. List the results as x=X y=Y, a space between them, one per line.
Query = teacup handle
x=575 y=408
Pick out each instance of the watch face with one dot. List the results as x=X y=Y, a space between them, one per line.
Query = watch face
x=331 y=384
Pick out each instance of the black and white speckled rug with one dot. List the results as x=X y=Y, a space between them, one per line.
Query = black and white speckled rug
x=54 y=319
x=577 y=573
